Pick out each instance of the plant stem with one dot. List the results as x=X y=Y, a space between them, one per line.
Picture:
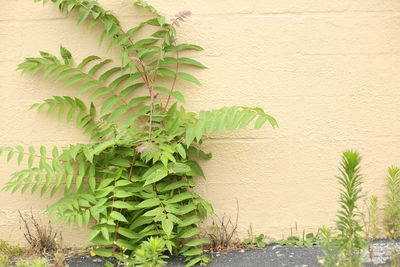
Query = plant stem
x=132 y=164
x=173 y=82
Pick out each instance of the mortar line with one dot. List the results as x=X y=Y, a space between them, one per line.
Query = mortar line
x=254 y=14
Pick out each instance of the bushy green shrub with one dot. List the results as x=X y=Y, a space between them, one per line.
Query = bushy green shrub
x=135 y=178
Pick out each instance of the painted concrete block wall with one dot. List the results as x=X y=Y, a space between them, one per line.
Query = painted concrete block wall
x=327 y=70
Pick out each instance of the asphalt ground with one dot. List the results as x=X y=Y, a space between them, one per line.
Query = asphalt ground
x=271 y=256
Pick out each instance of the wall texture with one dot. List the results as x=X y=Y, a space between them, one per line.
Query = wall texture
x=327 y=70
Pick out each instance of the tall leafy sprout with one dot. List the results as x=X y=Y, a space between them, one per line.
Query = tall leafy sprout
x=135 y=179
x=344 y=249
x=350 y=239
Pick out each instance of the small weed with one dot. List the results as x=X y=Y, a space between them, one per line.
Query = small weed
x=374 y=217
x=4 y=259
x=42 y=262
x=392 y=209
x=254 y=241
x=42 y=239
x=395 y=258
x=303 y=240
x=9 y=250
x=222 y=231
x=59 y=259
x=306 y=240
x=370 y=220
x=151 y=253
x=329 y=244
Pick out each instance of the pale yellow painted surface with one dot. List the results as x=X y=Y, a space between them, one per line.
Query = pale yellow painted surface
x=327 y=70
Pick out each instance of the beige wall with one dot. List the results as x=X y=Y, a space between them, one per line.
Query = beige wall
x=327 y=70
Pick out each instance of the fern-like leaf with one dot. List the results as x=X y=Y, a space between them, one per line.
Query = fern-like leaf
x=226 y=119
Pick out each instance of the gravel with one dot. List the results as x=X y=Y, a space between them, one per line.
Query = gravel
x=379 y=254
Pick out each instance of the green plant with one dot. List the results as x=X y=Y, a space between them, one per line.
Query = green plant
x=370 y=221
x=4 y=260
x=151 y=253
x=391 y=221
x=254 y=241
x=349 y=242
x=135 y=178
x=306 y=240
x=42 y=262
x=372 y=226
x=395 y=258
x=329 y=245
x=9 y=251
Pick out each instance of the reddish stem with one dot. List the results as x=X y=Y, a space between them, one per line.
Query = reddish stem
x=173 y=82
